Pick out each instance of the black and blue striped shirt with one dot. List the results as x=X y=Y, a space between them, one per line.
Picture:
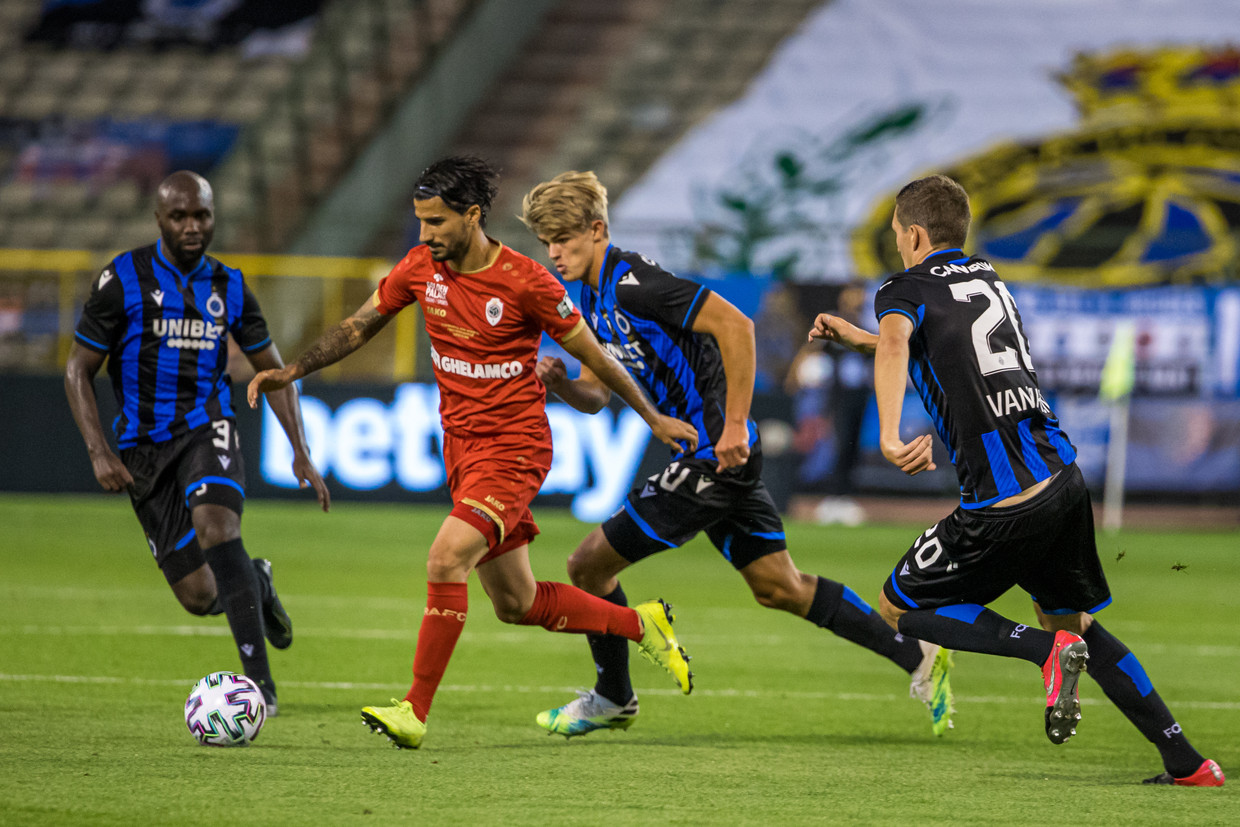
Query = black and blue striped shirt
x=166 y=337
x=643 y=315
x=969 y=361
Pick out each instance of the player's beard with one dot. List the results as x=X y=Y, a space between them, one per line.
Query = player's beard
x=454 y=251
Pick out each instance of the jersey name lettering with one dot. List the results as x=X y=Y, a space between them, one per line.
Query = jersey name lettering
x=954 y=269
x=1018 y=400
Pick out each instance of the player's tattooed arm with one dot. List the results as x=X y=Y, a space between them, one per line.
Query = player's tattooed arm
x=342 y=340
x=331 y=347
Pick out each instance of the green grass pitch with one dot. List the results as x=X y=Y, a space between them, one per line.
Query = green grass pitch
x=787 y=725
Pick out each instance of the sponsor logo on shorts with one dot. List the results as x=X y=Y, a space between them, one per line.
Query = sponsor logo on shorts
x=499 y=506
x=481 y=514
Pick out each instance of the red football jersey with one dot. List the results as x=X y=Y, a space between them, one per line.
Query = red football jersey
x=485 y=327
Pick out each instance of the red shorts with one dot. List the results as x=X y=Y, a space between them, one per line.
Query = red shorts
x=492 y=480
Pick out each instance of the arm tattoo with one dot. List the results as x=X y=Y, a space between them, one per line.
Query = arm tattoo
x=341 y=340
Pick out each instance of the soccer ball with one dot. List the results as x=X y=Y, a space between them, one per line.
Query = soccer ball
x=225 y=709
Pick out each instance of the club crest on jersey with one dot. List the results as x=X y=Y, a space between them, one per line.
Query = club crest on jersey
x=215 y=305
x=495 y=311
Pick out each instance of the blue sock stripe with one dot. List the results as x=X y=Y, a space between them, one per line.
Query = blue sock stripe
x=855 y=599
x=1131 y=667
x=964 y=612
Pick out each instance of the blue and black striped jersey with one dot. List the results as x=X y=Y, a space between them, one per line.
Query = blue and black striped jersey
x=969 y=360
x=166 y=337
x=643 y=315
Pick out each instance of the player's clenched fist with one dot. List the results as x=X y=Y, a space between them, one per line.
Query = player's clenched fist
x=551 y=372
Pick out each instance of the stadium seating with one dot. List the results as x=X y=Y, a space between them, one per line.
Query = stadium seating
x=301 y=119
x=609 y=85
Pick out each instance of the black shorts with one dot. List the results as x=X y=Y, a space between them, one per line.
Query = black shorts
x=1044 y=545
x=669 y=509
x=170 y=478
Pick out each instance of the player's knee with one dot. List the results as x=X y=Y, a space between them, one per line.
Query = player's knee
x=196 y=601
x=593 y=564
x=776 y=593
x=889 y=611
x=510 y=608
x=583 y=571
x=215 y=524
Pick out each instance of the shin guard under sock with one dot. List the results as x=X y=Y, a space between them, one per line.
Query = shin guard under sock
x=839 y=609
x=1122 y=678
x=968 y=627
x=559 y=607
x=442 y=623
x=239 y=593
x=611 y=659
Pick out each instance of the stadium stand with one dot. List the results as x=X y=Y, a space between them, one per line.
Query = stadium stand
x=86 y=130
x=610 y=85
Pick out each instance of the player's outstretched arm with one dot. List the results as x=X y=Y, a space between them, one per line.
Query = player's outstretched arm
x=587 y=394
x=668 y=430
x=834 y=329
x=733 y=332
x=331 y=347
x=890 y=372
x=285 y=406
x=80 y=372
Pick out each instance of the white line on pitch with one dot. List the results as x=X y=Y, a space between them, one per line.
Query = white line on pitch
x=516 y=635
x=529 y=690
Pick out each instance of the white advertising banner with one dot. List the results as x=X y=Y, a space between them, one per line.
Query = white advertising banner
x=1099 y=140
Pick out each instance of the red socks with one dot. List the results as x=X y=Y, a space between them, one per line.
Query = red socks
x=442 y=622
x=559 y=607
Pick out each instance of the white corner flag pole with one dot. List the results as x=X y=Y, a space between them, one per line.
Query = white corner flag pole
x=1118 y=378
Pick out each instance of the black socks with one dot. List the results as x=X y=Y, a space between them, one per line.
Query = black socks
x=611 y=659
x=239 y=592
x=837 y=608
x=968 y=627
x=1124 y=681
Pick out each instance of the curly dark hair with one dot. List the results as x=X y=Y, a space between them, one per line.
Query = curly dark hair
x=461 y=181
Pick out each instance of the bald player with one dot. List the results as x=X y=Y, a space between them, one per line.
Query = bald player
x=161 y=317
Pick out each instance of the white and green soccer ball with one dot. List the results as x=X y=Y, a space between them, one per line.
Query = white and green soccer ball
x=225 y=709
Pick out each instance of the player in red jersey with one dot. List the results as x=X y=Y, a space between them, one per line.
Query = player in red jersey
x=486 y=308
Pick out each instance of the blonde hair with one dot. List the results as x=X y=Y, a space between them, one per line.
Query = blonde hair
x=568 y=203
